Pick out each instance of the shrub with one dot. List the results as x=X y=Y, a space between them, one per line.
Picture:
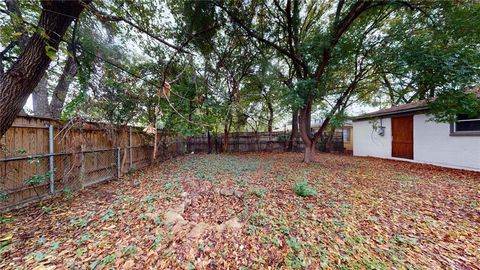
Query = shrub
x=303 y=189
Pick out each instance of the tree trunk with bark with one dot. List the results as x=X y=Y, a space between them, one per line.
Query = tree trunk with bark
x=40 y=98
x=22 y=78
x=305 y=132
x=225 y=139
x=61 y=90
x=270 y=117
x=294 y=135
x=209 y=142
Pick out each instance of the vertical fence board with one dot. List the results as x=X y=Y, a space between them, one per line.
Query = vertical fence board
x=90 y=141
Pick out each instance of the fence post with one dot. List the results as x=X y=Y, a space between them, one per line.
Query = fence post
x=130 y=147
x=82 y=165
x=118 y=163
x=52 y=159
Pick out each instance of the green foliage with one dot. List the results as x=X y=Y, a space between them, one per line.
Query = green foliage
x=303 y=189
x=450 y=104
x=40 y=256
x=55 y=245
x=109 y=259
x=51 y=52
x=151 y=198
x=37 y=179
x=294 y=244
x=48 y=209
x=306 y=88
x=167 y=186
x=79 y=222
x=108 y=215
x=260 y=193
x=129 y=250
x=70 y=109
x=426 y=56
x=68 y=193
x=3 y=196
x=200 y=17
x=5 y=219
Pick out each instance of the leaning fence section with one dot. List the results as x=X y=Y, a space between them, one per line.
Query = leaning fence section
x=41 y=157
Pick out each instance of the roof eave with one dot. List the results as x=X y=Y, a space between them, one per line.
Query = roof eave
x=381 y=114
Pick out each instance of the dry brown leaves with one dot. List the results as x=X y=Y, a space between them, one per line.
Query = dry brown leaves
x=367 y=214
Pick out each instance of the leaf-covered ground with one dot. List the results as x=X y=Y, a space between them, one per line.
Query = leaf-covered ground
x=361 y=213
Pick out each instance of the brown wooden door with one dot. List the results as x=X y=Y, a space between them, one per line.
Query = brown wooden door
x=402 y=137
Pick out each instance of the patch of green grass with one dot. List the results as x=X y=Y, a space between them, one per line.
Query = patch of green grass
x=109 y=259
x=167 y=186
x=108 y=215
x=260 y=193
x=258 y=219
x=54 y=245
x=5 y=219
x=81 y=251
x=3 y=196
x=150 y=198
x=47 y=209
x=129 y=250
x=303 y=189
x=68 y=193
x=85 y=237
x=294 y=244
x=294 y=262
x=40 y=256
x=78 y=222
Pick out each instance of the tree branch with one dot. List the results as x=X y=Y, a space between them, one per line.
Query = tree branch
x=105 y=17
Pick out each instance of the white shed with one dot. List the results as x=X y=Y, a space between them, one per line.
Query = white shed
x=407 y=132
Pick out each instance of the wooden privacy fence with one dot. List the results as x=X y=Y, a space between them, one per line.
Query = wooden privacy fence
x=256 y=141
x=40 y=157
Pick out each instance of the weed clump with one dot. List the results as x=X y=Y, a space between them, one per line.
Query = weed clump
x=303 y=189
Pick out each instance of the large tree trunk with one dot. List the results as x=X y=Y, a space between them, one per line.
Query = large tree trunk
x=270 y=117
x=40 y=98
x=209 y=142
x=61 y=90
x=294 y=135
x=309 y=153
x=225 y=139
x=226 y=132
x=305 y=132
x=22 y=78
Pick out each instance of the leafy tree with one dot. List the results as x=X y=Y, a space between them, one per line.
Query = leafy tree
x=307 y=34
x=432 y=55
x=22 y=77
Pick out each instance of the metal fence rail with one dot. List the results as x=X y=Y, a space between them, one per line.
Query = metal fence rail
x=53 y=160
x=26 y=178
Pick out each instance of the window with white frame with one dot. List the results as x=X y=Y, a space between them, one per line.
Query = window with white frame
x=467 y=124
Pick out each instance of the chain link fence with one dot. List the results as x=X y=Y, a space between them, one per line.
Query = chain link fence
x=27 y=178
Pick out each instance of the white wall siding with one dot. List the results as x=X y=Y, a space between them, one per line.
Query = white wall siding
x=367 y=142
x=432 y=143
